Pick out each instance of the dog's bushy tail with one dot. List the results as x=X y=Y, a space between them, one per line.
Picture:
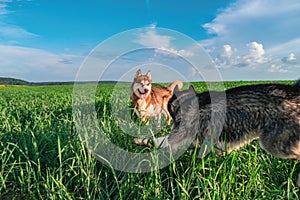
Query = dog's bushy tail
x=173 y=85
x=297 y=84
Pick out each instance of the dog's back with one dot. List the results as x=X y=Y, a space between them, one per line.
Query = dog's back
x=268 y=111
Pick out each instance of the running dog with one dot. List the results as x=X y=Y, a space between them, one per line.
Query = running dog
x=151 y=101
x=231 y=119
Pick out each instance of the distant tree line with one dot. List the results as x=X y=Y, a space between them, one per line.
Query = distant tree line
x=14 y=81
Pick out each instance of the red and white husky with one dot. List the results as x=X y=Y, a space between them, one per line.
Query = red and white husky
x=151 y=101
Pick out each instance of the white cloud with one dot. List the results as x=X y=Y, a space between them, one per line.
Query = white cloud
x=173 y=52
x=277 y=68
x=228 y=51
x=10 y=31
x=161 y=43
x=273 y=25
x=256 y=54
x=3 y=10
x=291 y=59
x=151 y=38
x=36 y=64
x=226 y=57
x=285 y=47
x=265 y=20
x=230 y=57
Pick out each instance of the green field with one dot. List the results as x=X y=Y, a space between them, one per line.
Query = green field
x=42 y=157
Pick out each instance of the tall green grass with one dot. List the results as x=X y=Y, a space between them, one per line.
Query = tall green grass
x=42 y=157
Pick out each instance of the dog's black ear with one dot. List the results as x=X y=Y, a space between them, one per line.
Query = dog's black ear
x=297 y=84
x=192 y=89
x=176 y=89
x=148 y=74
x=138 y=73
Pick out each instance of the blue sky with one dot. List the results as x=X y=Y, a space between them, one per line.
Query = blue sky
x=247 y=40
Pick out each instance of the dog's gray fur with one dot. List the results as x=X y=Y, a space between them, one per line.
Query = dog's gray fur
x=270 y=112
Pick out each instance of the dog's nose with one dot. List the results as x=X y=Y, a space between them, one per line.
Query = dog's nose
x=146 y=90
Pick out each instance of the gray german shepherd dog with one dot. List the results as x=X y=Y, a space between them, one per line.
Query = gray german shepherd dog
x=270 y=112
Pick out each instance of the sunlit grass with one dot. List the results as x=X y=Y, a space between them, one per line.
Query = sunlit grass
x=7 y=86
x=42 y=157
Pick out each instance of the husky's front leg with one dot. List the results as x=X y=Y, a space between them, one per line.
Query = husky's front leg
x=298 y=180
x=158 y=119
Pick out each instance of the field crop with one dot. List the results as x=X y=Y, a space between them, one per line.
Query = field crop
x=5 y=86
x=42 y=156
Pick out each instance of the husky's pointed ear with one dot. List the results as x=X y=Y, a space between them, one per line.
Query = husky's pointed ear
x=138 y=73
x=176 y=89
x=192 y=89
x=148 y=74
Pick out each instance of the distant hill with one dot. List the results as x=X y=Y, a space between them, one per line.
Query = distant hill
x=13 y=81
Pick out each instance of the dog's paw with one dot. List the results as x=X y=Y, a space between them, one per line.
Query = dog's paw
x=142 y=142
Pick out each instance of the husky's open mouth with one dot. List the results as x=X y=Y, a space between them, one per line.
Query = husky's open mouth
x=143 y=94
